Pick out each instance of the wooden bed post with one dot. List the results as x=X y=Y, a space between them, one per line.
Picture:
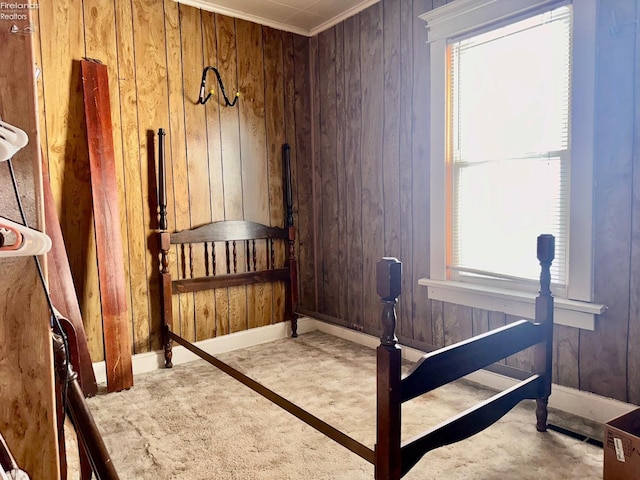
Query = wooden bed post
x=291 y=262
x=542 y=360
x=166 y=290
x=388 y=461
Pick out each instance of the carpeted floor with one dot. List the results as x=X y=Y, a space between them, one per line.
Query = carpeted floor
x=194 y=422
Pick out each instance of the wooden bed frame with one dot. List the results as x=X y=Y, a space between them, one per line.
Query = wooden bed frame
x=391 y=458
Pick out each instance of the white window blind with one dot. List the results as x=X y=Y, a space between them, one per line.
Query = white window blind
x=508 y=148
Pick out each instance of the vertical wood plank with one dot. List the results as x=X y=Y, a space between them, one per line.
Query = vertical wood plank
x=371 y=51
x=209 y=328
x=458 y=323
x=274 y=78
x=352 y=159
x=253 y=148
x=291 y=131
x=131 y=175
x=183 y=306
x=613 y=195
x=522 y=360
x=234 y=317
x=497 y=320
x=341 y=246
x=212 y=114
x=405 y=163
x=480 y=321
x=197 y=162
x=326 y=165
x=565 y=355
x=437 y=316
x=420 y=175
x=316 y=164
x=152 y=108
x=633 y=339
x=391 y=129
x=304 y=167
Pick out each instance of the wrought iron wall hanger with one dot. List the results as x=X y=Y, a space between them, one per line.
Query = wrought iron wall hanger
x=202 y=99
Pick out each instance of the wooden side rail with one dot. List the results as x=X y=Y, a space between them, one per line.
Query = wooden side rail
x=455 y=361
x=323 y=427
x=469 y=422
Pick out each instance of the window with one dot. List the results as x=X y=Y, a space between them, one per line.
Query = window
x=512 y=95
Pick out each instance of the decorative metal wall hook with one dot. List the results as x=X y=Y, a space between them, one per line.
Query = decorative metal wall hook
x=202 y=99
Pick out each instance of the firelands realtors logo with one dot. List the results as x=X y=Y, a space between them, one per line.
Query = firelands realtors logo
x=16 y=16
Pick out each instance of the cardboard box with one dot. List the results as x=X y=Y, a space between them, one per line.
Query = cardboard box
x=622 y=447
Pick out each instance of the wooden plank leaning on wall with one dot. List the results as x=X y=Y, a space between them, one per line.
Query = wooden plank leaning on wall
x=27 y=409
x=104 y=190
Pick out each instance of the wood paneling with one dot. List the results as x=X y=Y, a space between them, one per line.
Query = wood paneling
x=327 y=166
x=222 y=163
x=606 y=361
x=603 y=353
x=633 y=375
x=304 y=176
x=352 y=157
x=273 y=41
x=405 y=167
x=356 y=115
x=372 y=78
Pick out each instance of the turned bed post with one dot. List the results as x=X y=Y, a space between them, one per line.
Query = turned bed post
x=388 y=461
x=291 y=238
x=165 y=291
x=542 y=360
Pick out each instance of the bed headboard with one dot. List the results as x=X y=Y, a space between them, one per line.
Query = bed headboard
x=227 y=254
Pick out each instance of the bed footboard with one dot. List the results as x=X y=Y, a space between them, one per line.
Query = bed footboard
x=393 y=459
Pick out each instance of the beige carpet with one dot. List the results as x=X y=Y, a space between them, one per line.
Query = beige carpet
x=194 y=422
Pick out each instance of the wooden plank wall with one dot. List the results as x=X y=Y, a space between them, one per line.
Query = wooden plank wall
x=223 y=163
x=369 y=183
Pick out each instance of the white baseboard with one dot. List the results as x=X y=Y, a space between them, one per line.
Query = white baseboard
x=147 y=362
x=584 y=404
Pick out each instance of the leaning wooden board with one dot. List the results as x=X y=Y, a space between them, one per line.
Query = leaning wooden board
x=104 y=192
x=27 y=407
x=63 y=293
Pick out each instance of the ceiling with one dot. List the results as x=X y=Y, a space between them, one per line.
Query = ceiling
x=305 y=17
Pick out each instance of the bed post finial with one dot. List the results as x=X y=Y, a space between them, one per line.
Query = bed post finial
x=162 y=182
x=288 y=194
x=389 y=274
x=546 y=254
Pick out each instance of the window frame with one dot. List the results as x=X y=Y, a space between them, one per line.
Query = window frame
x=470 y=17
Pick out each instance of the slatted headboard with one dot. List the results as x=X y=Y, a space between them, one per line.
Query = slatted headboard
x=230 y=253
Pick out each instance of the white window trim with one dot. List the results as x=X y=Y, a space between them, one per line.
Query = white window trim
x=454 y=20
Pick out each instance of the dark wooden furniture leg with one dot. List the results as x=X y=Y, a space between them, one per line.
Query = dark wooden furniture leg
x=388 y=458
x=80 y=415
x=167 y=307
x=293 y=267
x=542 y=360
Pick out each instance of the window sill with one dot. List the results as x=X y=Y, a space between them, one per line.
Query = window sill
x=571 y=313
